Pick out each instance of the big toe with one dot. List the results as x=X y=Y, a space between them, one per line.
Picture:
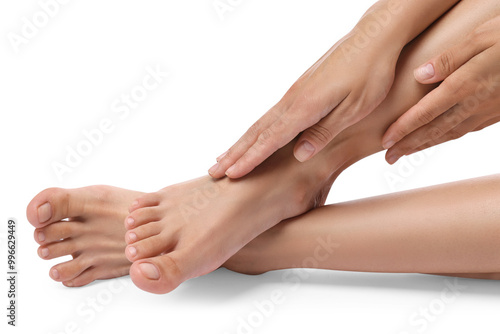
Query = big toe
x=159 y=274
x=55 y=204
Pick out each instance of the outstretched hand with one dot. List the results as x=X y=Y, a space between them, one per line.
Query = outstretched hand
x=467 y=100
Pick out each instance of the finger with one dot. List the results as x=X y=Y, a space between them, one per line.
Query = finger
x=432 y=131
x=246 y=141
x=309 y=108
x=440 y=67
x=426 y=110
x=455 y=133
x=316 y=137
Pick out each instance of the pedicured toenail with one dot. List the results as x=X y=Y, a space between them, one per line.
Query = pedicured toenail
x=149 y=270
x=41 y=236
x=44 y=212
x=132 y=251
x=44 y=252
x=130 y=221
x=54 y=274
x=132 y=237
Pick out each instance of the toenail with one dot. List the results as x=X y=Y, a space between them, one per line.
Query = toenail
x=132 y=237
x=70 y=284
x=130 y=221
x=44 y=212
x=41 y=236
x=132 y=251
x=44 y=252
x=149 y=270
x=55 y=274
x=135 y=203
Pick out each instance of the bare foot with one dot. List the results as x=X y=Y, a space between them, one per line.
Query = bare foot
x=190 y=229
x=86 y=223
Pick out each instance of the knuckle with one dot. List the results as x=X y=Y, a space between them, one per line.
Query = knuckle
x=424 y=116
x=319 y=134
x=265 y=137
x=455 y=134
x=435 y=133
x=446 y=62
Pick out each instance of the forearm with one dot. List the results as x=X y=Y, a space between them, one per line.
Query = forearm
x=400 y=21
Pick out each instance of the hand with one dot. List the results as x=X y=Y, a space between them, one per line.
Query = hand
x=467 y=100
x=340 y=89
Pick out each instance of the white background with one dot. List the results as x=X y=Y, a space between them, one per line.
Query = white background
x=223 y=74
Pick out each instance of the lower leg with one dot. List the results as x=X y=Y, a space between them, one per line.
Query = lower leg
x=450 y=229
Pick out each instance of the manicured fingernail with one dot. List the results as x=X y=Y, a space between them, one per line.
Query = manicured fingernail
x=221 y=156
x=130 y=221
x=213 y=169
x=424 y=72
x=230 y=171
x=388 y=144
x=149 y=270
x=54 y=273
x=41 y=236
x=392 y=158
x=132 y=237
x=44 y=252
x=305 y=151
x=132 y=251
x=44 y=212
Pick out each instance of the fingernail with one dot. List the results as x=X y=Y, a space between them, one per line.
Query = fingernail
x=424 y=72
x=54 y=274
x=213 y=169
x=41 y=236
x=221 y=156
x=149 y=270
x=305 y=151
x=130 y=221
x=392 y=158
x=44 y=212
x=230 y=171
x=388 y=144
x=132 y=251
x=44 y=252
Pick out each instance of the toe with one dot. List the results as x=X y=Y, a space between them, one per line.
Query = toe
x=67 y=270
x=55 y=204
x=55 y=232
x=146 y=200
x=94 y=273
x=149 y=247
x=143 y=232
x=57 y=249
x=160 y=274
x=142 y=216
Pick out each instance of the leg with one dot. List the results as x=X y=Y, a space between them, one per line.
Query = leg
x=231 y=205
x=450 y=228
x=168 y=249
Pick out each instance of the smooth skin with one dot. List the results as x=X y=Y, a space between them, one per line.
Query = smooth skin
x=340 y=89
x=189 y=229
x=467 y=100
x=450 y=229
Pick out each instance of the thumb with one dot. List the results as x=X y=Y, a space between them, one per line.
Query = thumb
x=440 y=67
x=312 y=141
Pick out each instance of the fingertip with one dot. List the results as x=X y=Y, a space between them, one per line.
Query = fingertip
x=304 y=151
x=425 y=73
